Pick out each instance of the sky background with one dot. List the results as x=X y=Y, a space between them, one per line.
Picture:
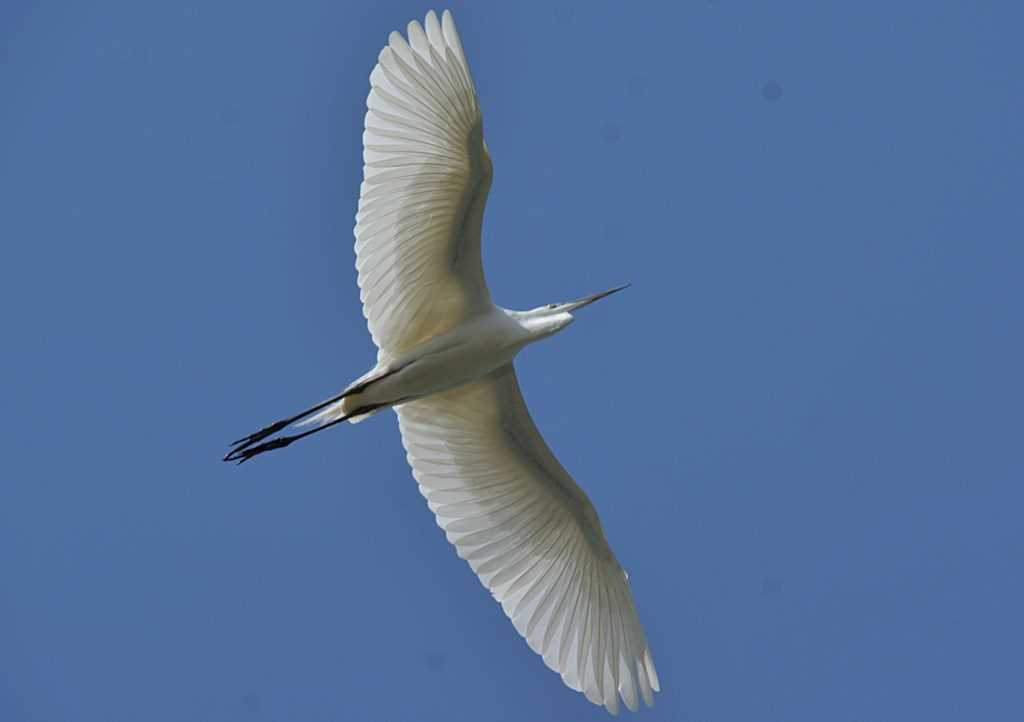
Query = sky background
x=802 y=425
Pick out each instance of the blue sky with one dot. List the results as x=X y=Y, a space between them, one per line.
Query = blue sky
x=801 y=425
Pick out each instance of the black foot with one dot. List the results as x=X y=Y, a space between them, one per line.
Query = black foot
x=259 y=435
x=242 y=454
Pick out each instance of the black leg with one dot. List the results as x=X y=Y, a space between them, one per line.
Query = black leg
x=244 y=453
x=279 y=425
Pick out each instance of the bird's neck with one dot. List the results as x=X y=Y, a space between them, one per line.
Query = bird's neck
x=534 y=325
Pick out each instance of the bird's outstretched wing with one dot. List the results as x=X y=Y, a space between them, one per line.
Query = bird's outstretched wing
x=426 y=173
x=531 y=535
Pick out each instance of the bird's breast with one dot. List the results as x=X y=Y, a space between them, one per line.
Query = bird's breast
x=464 y=354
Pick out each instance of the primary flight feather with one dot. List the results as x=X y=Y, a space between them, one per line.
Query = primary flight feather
x=444 y=363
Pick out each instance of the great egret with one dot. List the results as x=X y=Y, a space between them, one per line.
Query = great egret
x=445 y=365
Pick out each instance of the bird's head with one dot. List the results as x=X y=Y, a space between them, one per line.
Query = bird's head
x=546 y=320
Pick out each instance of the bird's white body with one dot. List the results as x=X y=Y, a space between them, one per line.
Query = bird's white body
x=444 y=363
x=466 y=353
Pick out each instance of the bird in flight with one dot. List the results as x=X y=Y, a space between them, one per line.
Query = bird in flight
x=444 y=364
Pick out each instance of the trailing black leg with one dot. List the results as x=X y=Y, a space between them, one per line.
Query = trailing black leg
x=246 y=452
x=279 y=425
x=266 y=431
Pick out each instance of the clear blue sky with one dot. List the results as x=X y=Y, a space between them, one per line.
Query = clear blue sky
x=802 y=425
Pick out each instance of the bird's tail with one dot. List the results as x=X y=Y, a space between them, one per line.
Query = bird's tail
x=347 y=408
x=355 y=404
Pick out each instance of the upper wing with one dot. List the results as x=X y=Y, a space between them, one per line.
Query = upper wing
x=530 y=534
x=426 y=173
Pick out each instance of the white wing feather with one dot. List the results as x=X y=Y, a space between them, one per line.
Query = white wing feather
x=531 y=535
x=426 y=174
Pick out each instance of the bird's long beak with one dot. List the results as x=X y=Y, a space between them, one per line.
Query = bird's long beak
x=586 y=300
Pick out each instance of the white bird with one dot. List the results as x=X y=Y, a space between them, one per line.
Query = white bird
x=445 y=365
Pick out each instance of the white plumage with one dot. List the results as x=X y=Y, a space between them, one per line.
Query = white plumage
x=445 y=355
x=424 y=167
x=531 y=535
